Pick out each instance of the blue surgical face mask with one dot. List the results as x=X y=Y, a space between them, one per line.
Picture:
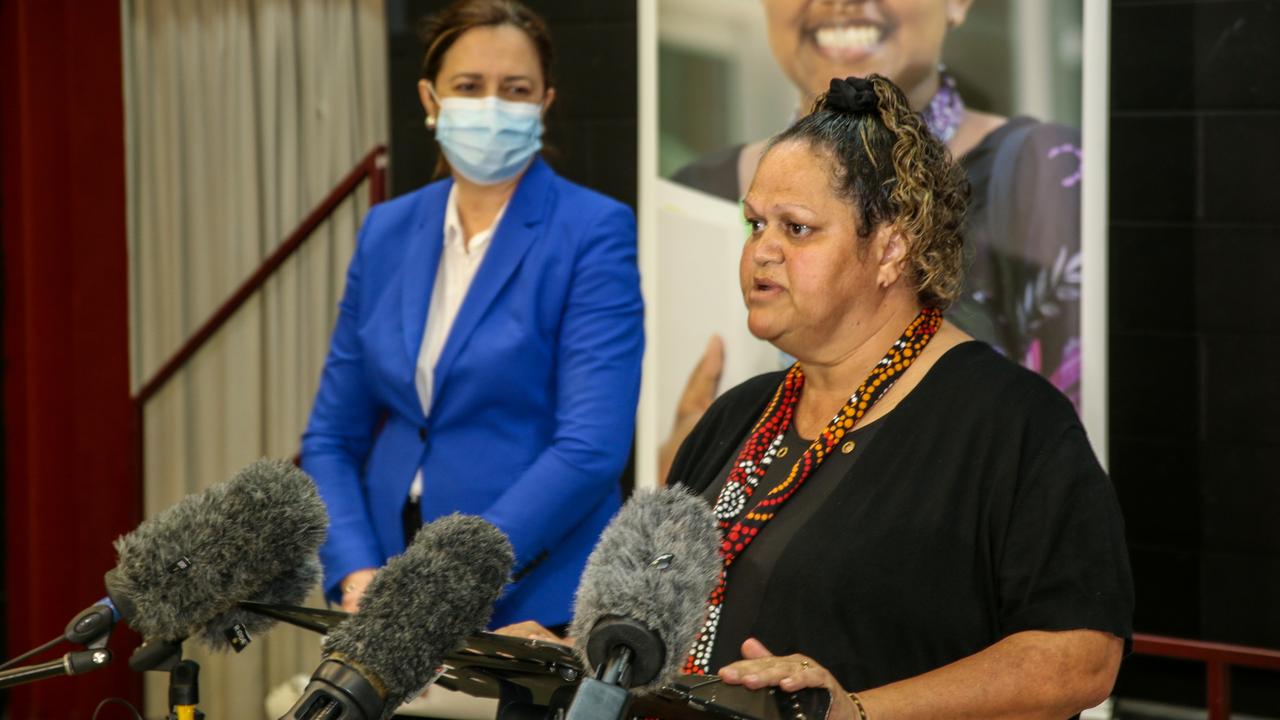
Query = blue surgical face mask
x=488 y=140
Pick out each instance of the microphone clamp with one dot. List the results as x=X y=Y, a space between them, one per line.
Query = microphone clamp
x=92 y=627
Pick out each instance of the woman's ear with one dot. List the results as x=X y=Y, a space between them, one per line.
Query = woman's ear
x=547 y=99
x=891 y=255
x=426 y=94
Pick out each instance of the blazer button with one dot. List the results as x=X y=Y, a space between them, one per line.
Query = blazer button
x=422 y=434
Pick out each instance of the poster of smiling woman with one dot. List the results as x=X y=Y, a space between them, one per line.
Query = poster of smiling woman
x=999 y=82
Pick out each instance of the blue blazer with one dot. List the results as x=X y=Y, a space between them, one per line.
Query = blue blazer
x=534 y=394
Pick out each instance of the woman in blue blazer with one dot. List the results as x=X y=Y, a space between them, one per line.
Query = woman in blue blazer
x=487 y=354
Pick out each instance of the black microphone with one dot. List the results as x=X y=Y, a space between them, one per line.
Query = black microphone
x=182 y=573
x=419 y=607
x=73 y=663
x=643 y=597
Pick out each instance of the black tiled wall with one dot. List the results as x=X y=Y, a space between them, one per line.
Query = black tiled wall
x=1195 y=336
x=591 y=132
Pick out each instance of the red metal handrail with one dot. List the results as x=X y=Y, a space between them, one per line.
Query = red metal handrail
x=1218 y=658
x=372 y=167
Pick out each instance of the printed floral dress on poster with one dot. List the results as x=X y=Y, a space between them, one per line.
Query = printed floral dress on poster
x=1022 y=283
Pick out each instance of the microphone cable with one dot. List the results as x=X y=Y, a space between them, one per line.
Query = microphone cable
x=118 y=701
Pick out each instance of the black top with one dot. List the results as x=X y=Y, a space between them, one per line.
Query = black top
x=754 y=567
x=978 y=511
x=1022 y=279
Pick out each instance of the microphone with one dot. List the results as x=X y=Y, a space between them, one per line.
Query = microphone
x=182 y=573
x=73 y=663
x=642 y=598
x=419 y=607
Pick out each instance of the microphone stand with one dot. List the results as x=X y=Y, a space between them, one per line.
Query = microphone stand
x=73 y=663
x=184 y=675
x=184 y=691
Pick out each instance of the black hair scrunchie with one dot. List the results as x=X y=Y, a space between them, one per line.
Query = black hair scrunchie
x=852 y=95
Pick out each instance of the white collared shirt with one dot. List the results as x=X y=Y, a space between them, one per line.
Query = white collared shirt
x=459 y=261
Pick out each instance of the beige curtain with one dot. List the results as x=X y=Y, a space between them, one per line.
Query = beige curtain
x=241 y=116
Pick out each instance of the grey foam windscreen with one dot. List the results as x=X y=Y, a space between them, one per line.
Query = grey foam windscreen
x=254 y=537
x=425 y=603
x=656 y=563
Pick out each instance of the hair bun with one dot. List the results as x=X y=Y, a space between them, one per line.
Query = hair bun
x=852 y=95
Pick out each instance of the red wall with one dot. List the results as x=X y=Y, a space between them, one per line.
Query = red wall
x=70 y=482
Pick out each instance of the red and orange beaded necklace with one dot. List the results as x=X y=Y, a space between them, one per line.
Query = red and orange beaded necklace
x=761 y=449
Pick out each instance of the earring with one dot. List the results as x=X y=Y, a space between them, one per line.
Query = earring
x=430 y=122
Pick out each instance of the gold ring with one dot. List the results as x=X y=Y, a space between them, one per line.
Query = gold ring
x=804 y=664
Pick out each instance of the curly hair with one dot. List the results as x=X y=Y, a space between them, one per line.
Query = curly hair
x=892 y=170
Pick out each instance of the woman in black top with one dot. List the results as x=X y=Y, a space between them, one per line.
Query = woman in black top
x=906 y=514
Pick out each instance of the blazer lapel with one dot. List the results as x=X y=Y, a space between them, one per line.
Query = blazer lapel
x=419 y=272
x=514 y=236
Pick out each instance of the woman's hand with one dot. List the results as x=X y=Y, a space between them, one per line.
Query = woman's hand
x=353 y=587
x=530 y=630
x=760 y=668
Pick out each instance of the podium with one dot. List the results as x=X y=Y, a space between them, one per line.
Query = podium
x=533 y=679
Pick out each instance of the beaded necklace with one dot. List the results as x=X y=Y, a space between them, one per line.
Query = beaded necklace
x=761 y=449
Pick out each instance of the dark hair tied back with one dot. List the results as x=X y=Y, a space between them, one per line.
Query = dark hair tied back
x=851 y=95
x=891 y=170
x=442 y=28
